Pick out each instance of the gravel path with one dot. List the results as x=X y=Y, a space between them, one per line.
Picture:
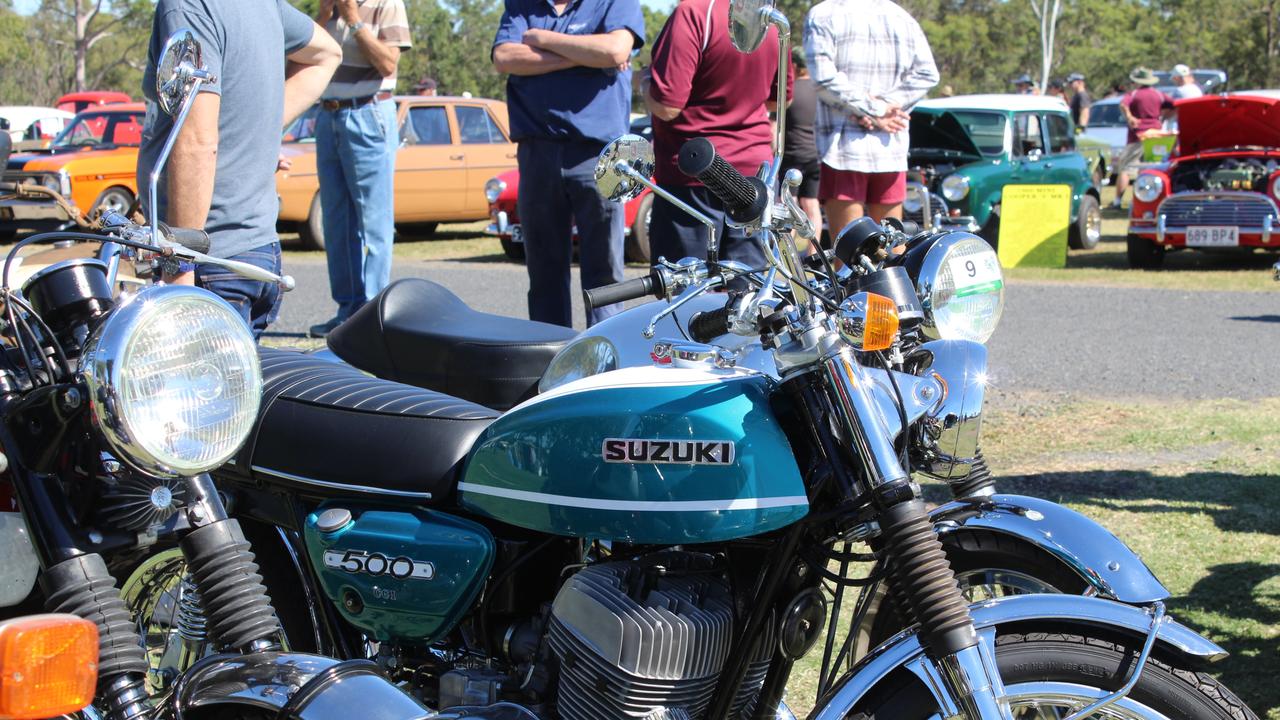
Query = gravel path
x=1080 y=339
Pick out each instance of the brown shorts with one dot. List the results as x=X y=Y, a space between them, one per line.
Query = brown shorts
x=888 y=188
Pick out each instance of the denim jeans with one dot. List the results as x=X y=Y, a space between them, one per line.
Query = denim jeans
x=355 y=162
x=257 y=302
x=557 y=189
x=674 y=234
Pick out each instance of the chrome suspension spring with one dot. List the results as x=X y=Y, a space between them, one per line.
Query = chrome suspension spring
x=189 y=618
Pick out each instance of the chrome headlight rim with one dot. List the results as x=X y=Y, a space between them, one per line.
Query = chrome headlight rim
x=1148 y=187
x=955 y=187
x=914 y=200
x=931 y=268
x=493 y=189
x=101 y=368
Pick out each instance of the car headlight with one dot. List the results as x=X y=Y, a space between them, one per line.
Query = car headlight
x=955 y=187
x=583 y=357
x=174 y=381
x=914 y=200
x=1148 y=187
x=493 y=189
x=1275 y=186
x=961 y=288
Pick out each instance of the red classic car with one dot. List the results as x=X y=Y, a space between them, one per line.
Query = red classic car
x=1221 y=187
x=501 y=194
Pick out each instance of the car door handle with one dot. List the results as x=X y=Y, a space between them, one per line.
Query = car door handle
x=457 y=157
x=511 y=156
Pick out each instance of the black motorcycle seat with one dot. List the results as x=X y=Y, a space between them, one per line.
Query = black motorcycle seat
x=326 y=427
x=418 y=332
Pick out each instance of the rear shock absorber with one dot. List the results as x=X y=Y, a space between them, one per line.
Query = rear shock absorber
x=84 y=587
x=238 y=613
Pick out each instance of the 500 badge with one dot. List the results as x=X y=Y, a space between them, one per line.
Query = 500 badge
x=359 y=562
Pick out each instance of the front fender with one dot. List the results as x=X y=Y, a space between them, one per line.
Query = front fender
x=1068 y=609
x=295 y=686
x=1103 y=560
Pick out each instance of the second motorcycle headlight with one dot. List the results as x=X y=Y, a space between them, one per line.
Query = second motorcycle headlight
x=583 y=357
x=174 y=381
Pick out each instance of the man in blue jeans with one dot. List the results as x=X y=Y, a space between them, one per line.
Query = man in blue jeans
x=221 y=174
x=569 y=93
x=356 y=140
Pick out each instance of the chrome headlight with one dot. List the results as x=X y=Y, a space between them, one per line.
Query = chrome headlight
x=58 y=182
x=493 y=189
x=914 y=200
x=955 y=187
x=961 y=288
x=174 y=381
x=1275 y=187
x=582 y=357
x=1148 y=187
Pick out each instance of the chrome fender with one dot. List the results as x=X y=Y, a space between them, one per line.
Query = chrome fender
x=1100 y=558
x=905 y=649
x=294 y=685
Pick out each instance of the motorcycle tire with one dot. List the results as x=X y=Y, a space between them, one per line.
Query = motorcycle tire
x=1064 y=669
x=988 y=565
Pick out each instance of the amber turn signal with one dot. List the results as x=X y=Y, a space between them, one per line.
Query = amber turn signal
x=48 y=666
x=869 y=321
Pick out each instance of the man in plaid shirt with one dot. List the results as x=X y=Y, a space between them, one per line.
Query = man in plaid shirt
x=871 y=62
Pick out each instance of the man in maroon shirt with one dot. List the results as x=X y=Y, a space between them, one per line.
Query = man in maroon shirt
x=700 y=86
x=1142 y=107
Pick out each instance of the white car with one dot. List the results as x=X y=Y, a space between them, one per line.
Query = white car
x=29 y=123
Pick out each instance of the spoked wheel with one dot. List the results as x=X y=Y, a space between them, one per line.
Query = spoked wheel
x=166 y=609
x=1055 y=674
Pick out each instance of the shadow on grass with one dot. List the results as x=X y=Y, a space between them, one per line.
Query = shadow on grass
x=1228 y=604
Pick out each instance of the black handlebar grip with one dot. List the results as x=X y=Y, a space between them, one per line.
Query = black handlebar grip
x=706 y=326
x=618 y=292
x=910 y=228
x=190 y=238
x=744 y=198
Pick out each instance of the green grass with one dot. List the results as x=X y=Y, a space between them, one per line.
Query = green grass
x=1193 y=487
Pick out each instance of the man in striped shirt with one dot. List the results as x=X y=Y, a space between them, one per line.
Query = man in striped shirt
x=356 y=140
x=871 y=62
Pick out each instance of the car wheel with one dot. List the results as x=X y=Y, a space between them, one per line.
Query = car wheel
x=1144 y=254
x=513 y=250
x=312 y=231
x=638 y=240
x=116 y=199
x=1086 y=231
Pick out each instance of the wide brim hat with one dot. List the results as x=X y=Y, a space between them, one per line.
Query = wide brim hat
x=1143 y=76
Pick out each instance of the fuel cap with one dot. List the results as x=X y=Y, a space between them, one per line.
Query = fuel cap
x=333 y=519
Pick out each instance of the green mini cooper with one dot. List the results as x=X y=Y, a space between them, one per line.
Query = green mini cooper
x=966 y=149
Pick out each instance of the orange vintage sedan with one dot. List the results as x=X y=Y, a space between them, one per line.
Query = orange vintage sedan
x=449 y=148
x=92 y=162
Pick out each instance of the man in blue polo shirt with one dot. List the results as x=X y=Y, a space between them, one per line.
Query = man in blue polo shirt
x=569 y=93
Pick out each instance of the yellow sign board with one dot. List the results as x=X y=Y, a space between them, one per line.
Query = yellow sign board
x=1033 y=225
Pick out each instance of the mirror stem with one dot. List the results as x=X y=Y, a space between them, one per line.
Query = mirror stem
x=775 y=17
x=153 y=181
x=713 y=244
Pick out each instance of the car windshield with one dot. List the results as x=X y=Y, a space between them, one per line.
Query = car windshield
x=986 y=129
x=103 y=128
x=1106 y=115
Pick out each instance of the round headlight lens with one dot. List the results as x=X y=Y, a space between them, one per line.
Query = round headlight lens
x=1148 y=187
x=174 y=380
x=1275 y=187
x=493 y=189
x=584 y=357
x=961 y=287
x=914 y=200
x=955 y=187
x=51 y=182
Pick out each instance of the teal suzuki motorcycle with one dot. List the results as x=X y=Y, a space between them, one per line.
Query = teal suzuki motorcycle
x=670 y=539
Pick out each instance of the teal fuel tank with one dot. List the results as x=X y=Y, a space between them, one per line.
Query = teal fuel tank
x=643 y=454
x=405 y=574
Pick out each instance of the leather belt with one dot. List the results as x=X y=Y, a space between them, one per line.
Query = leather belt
x=351 y=103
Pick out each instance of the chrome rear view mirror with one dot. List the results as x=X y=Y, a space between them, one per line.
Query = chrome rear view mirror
x=621 y=164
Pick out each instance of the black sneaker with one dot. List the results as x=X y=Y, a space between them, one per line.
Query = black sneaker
x=324 y=328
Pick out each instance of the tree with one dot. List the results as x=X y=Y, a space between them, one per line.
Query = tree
x=91 y=22
x=1047 y=12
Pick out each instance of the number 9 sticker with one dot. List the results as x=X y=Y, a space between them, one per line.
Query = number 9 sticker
x=976 y=274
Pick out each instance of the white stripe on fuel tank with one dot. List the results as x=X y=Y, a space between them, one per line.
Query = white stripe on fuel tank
x=637 y=505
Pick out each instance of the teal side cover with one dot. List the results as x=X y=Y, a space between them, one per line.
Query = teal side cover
x=541 y=466
x=390 y=552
